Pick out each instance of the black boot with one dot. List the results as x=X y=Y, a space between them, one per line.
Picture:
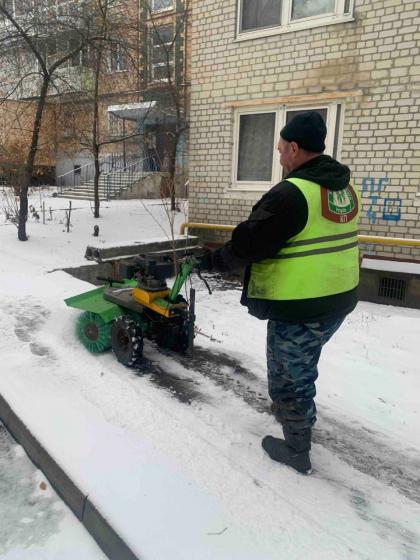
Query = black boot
x=293 y=451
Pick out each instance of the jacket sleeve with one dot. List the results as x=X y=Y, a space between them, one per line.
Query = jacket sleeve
x=280 y=214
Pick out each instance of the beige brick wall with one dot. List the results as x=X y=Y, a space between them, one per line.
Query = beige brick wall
x=377 y=55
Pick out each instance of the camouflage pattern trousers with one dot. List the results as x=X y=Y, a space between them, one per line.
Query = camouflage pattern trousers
x=293 y=352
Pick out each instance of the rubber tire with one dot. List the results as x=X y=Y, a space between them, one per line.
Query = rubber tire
x=174 y=338
x=127 y=341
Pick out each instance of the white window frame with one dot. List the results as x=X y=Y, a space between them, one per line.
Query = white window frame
x=154 y=65
x=253 y=185
x=120 y=57
x=17 y=10
x=160 y=10
x=287 y=25
x=281 y=111
x=115 y=125
x=60 y=7
x=13 y=7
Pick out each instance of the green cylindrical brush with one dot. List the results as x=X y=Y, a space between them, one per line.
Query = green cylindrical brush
x=93 y=332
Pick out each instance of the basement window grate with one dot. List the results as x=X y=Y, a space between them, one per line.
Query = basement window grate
x=392 y=288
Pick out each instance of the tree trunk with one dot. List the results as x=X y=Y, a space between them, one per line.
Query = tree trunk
x=96 y=182
x=172 y=167
x=95 y=135
x=29 y=167
x=23 y=211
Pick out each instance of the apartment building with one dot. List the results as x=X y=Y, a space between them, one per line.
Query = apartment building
x=256 y=64
x=140 y=70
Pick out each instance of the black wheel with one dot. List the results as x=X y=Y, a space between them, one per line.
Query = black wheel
x=174 y=336
x=127 y=341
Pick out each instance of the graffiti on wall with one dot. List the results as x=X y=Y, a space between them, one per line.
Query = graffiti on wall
x=381 y=208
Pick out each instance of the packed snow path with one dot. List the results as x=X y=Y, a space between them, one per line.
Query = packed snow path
x=362 y=448
x=227 y=400
x=171 y=454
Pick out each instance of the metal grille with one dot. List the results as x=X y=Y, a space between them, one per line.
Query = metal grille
x=392 y=288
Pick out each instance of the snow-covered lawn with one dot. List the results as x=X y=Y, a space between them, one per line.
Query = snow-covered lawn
x=35 y=523
x=171 y=454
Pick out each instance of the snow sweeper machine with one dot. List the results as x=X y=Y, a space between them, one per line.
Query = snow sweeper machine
x=138 y=305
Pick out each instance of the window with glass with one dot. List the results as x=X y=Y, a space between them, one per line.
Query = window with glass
x=51 y=48
x=117 y=58
x=162 y=52
x=255 y=153
x=76 y=59
x=158 y=5
x=57 y=7
x=255 y=15
x=18 y=7
x=309 y=8
x=115 y=125
x=256 y=160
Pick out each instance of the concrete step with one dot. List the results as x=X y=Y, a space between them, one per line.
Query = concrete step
x=107 y=189
x=103 y=192
x=84 y=194
x=121 y=176
x=81 y=197
x=102 y=188
x=86 y=189
x=111 y=184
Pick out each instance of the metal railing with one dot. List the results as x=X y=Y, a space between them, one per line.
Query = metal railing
x=398 y=241
x=117 y=180
x=86 y=173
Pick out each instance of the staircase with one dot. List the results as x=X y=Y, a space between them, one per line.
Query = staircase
x=112 y=183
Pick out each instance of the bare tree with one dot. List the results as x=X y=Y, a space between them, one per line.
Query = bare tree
x=166 y=74
x=114 y=62
x=25 y=35
x=117 y=51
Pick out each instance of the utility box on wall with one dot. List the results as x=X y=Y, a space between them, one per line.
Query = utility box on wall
x=390 y=282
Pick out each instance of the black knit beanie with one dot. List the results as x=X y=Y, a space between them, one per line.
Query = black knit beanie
x=308 y=130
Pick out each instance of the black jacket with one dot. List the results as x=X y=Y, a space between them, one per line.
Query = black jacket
x=279 y=215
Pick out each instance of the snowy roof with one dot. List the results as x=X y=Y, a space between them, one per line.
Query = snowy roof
x=146 y=111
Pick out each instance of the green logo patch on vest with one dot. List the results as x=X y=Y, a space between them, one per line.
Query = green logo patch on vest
x=339 y=206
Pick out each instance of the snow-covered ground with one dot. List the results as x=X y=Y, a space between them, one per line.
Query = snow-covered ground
x=35 y=523
x=171 y=453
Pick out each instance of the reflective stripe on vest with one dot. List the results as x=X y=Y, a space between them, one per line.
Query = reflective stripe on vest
x=322 y=259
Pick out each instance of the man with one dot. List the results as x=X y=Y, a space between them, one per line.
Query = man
x=300 y=247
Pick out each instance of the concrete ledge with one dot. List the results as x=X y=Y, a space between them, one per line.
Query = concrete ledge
x=99 y=528
x=64 y=486
x=123 y=250
x=108 y=540
x=90 y=272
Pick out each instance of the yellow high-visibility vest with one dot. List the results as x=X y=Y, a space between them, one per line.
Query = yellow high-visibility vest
x=323 y=259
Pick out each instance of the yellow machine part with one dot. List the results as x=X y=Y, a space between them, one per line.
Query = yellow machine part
x=146 y=298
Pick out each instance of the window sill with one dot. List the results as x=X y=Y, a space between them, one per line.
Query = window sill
x=251 y=188
x=109 y=72
x=155 y=83
x=161 y=12
x=247 y=35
